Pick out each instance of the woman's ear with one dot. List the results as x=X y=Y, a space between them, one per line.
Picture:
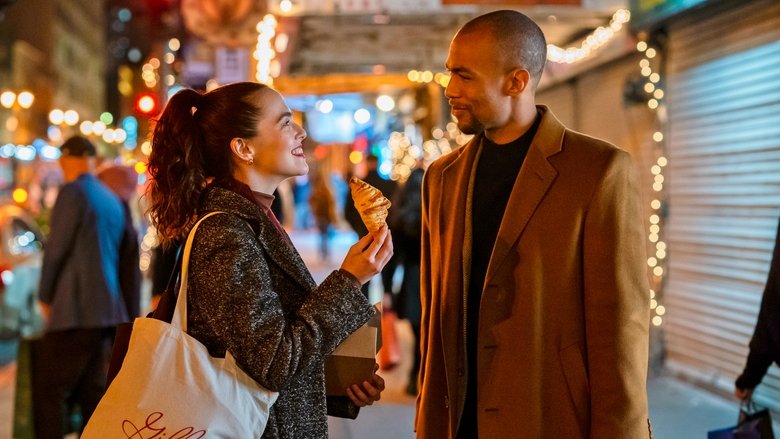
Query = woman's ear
x=242 y=150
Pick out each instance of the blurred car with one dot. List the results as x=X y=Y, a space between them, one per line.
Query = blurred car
x=21 y=255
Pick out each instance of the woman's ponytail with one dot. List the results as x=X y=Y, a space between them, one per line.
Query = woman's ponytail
x=176 y=166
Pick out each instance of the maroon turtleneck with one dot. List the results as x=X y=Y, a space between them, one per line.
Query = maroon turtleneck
x=261 y=200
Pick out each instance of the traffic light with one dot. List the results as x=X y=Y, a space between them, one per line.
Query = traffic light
x=146 y=104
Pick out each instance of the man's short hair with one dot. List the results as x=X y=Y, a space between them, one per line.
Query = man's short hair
x=519 y=40
x=78 y=146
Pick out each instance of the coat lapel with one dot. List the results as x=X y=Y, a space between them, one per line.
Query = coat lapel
x=283 y=253
x=534 y=179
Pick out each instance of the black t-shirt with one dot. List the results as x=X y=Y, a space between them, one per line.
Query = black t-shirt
x=497 y=171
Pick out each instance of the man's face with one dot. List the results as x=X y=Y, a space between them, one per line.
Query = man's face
x=72 y=167
x=475 y=91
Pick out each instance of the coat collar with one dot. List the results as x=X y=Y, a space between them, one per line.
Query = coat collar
x=276 y=247
x=534 y=179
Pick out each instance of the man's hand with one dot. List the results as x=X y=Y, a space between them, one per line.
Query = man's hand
x=743 y=394
x=45 y=310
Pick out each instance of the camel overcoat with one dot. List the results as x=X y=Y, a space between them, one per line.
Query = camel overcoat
x=563 y=322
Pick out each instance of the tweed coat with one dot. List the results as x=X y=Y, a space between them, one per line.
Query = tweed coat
x=250 y=293
x=563 y=321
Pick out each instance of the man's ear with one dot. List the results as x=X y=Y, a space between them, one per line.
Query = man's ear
x=241 y=149
x=517 y=81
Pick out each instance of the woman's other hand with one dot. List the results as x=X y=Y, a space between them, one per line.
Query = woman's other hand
x=367 y=392
x=369 y=255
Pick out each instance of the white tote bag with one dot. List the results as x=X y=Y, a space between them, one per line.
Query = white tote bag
x=170 y=387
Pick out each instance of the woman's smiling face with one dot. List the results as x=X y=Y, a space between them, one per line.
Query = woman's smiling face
x=278 y=150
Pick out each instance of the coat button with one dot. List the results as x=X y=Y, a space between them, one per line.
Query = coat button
x=446 y=402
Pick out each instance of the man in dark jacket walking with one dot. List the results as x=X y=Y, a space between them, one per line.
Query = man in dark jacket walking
x=80 y=294
x=765 y=344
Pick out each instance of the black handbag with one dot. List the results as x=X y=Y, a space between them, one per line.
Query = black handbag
x=164 y=312
x=753 y=423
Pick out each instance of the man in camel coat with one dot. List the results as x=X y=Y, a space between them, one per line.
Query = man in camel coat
x=534 y=289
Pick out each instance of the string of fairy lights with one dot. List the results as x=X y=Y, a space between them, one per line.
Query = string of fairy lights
x=597 y=39
x=656 y=260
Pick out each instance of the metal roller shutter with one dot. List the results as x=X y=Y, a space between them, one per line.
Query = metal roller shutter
x=724 y=187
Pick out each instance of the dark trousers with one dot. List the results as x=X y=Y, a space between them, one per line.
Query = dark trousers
x=69 y=368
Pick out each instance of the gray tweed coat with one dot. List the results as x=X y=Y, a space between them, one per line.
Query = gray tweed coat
x=250 y=293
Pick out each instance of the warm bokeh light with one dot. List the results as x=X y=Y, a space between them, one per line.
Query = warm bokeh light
x=324 y=106
x=355 y=157
x=362 y=116
x=120 y=135
x=25 y=99
x=7 y=99
x=385 y=102
x=12 y=123
x=56 y=116
x=146 y=104
x=19 y=195
x=108 y=135
x=86 y=127
x=140 y=167
x=281 y=41
x=71 y=117
x=98 y=128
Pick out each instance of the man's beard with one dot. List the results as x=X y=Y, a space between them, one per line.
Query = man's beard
x=472 y=126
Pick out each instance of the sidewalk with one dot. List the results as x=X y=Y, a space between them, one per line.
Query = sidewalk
x=678 y=410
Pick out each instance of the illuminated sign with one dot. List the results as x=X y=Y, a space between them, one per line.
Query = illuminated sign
x=646 y=13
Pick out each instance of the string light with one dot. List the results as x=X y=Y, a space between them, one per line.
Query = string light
x=597 y=39
x=264 y=51
x=655 y=261
x=590 y=44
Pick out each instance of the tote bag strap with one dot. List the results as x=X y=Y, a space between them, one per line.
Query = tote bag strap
x=180 y=312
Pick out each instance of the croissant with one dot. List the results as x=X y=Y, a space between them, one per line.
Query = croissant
x=370 y=203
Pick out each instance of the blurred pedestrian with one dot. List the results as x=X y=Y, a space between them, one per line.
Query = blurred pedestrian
x=123 y=181
x=765 y=344
x=535 y=316
x=323 y=208
x=388 y=188
x=249 y=291
x=80 y=294
x=407 y=226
